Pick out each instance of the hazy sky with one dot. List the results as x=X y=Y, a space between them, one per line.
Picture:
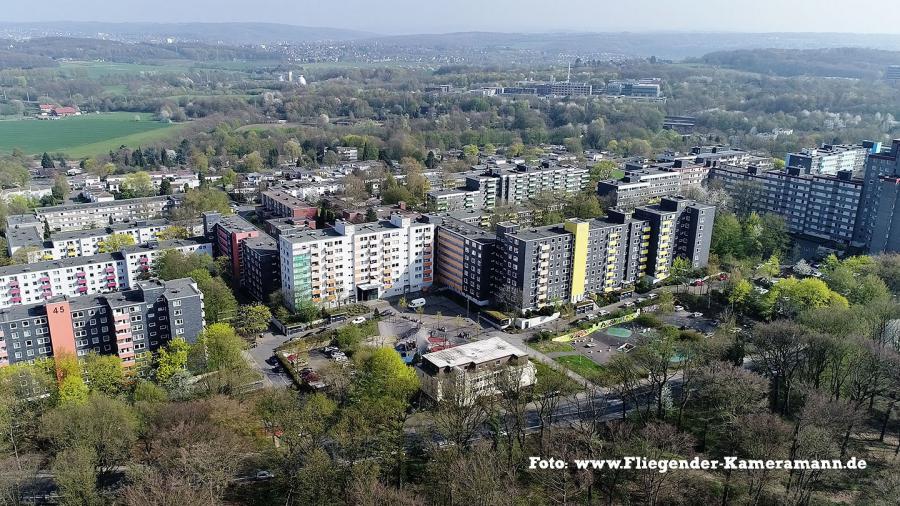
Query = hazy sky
x=430 y=16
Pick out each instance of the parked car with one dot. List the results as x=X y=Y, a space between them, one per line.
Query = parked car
x=697 y=282
x=652 y=296
x=359 y=320
x=603 y=312
x=590 y=345
x=272 y=360
x=264 y=475
x=696 y=315
x=416 y=303
x=628 y=304
x=679 y=308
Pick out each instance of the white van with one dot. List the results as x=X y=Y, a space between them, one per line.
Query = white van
x=416 y=303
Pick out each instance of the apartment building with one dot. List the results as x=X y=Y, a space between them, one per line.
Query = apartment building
x=829 y=159
x=473 y=370
x=130 y=324
x=261 y=267
x=504 y=186
x=819 y=206
x=227 y=233
x=525 y=268
x=885 y=236
x=641 y=185
x=534 y=265
x=280 y=204
x=78 y=243
x=465 y=258
x=879 y=169
x=105 y=273
x=98 y=214
x=350 y=263
x=678 y=228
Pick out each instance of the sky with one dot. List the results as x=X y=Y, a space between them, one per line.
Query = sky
x=441 y=16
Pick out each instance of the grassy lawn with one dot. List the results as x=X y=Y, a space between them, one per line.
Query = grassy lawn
x=618 y=174
x=85 y=135
x=552 y=347
x=583 y=366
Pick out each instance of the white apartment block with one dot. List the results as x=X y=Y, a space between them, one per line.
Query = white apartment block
x=350 y=263
x=109 y=272
x=79 y=243
x=99 y=214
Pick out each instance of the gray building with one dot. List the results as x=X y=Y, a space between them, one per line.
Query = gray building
x=504 y=186
x=885 y=236
x=130 y=324
x=465 y=259
x=885 y=164
x=678 y=228
x=820 y=207
x=641 y=185
x=262 y=267
x=829 y=159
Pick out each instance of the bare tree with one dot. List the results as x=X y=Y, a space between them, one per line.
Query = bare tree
x=459 y=414
x=778 y=349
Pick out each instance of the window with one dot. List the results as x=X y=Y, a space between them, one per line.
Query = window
x=176 y=303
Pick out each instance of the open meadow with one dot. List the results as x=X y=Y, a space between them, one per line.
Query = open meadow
x=85 y=135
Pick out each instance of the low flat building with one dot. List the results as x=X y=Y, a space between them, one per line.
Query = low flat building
x=473 y=370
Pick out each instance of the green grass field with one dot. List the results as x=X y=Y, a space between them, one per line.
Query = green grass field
x=82 y=136
x=583 y=366
x=552 y=347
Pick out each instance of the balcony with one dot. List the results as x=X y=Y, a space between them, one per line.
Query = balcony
x=16 y=300
x=13 y=282
x=44 y=279
x=111 y=284
x=110 y=269
x=82 y=289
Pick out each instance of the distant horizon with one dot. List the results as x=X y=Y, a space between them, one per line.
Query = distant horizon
x=556 y=31
x=411 y=17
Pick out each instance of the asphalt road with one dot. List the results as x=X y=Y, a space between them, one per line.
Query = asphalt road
x=265 y=349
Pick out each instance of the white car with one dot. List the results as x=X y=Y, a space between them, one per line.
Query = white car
x=589 y=345
x=265 y=475
x=358 y=320
x=416 y=303
x=679 y=308
x=697 y=315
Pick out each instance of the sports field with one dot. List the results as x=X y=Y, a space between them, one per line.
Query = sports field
x=81 y=136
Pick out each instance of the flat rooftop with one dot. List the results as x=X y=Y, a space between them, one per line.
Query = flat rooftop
x=478 y=352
